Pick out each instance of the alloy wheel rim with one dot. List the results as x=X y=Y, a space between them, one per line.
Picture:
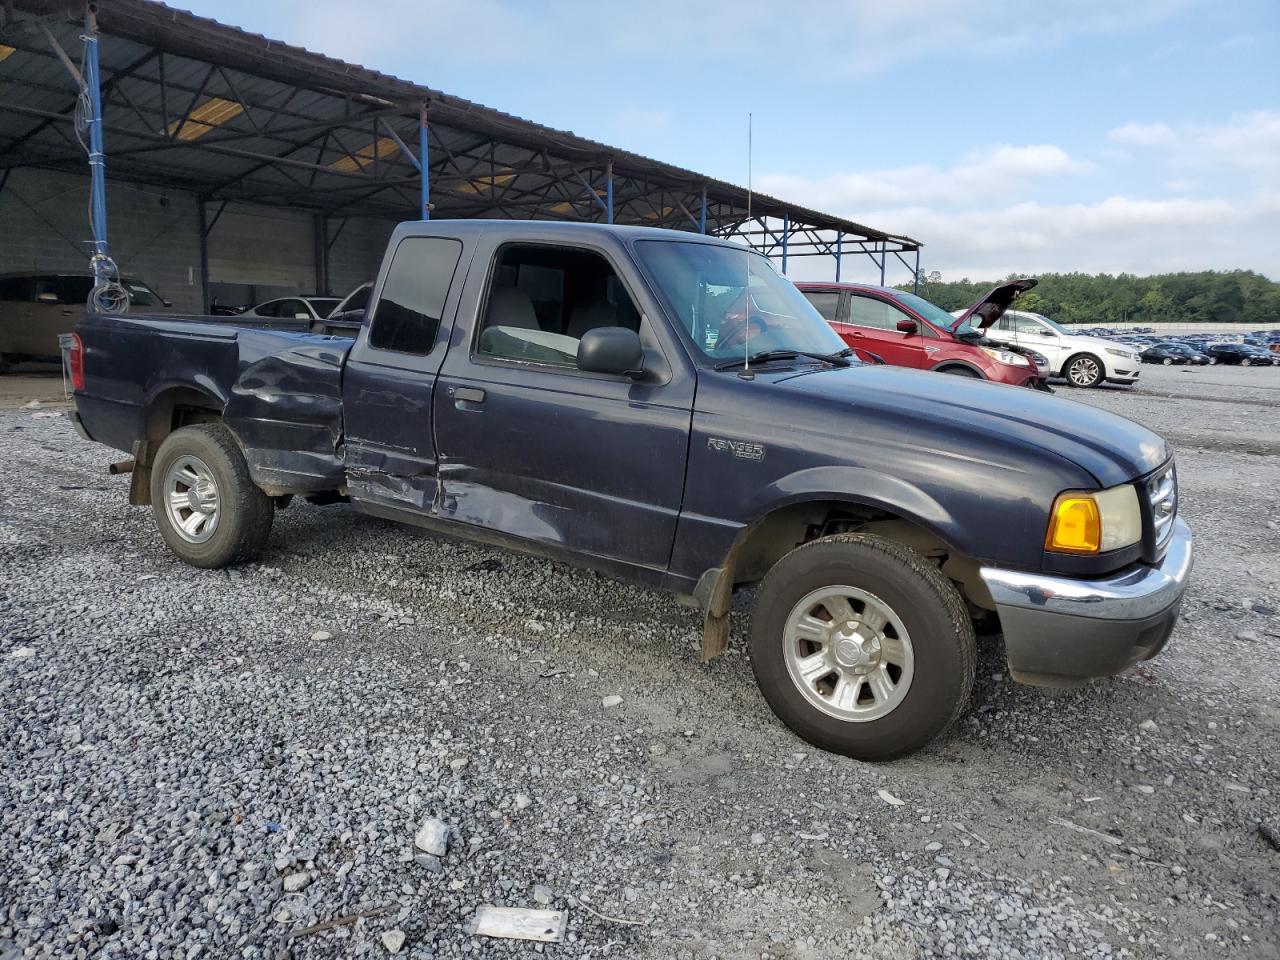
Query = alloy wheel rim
x=848 y=653
x=191 y=499
x=1084 y=372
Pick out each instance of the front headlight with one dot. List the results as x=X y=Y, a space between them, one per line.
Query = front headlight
x=1121 y=353
x=1087 y=522
x=1006 y=356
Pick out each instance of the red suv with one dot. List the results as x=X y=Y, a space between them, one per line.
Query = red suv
x=908 y=331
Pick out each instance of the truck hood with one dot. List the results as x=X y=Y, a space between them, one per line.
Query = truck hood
x=1114 y=450
x=991 y=307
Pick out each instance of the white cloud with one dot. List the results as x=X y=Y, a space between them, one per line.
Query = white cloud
x=981 y=175
x=987 y=216
x=1244 y=141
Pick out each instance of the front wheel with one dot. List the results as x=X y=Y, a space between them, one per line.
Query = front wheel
x=1166 y=361
x=862 y=647
x=206 y=506
x=1084 y=370
x=962 y=372
x=1245 y=362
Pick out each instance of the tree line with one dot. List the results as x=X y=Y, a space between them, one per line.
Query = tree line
x=1235 y=296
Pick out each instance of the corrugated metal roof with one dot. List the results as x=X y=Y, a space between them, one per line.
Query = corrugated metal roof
x=285 y=87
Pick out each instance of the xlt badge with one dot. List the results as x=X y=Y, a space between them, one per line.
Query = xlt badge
x=741 y=449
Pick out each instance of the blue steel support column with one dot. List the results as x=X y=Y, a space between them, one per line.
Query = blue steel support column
x=915 y=283
x=839 y=243
x=608 y=188
x=884 y=255
x=97 y=162
x=423 y=165
x=702 y=217
x=786 y=229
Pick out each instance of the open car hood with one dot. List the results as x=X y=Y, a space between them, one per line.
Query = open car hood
x=991 y=307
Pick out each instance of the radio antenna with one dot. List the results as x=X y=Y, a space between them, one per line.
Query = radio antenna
x=746 y=293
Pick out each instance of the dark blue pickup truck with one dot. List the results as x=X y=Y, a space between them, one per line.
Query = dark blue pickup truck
x=667 y=408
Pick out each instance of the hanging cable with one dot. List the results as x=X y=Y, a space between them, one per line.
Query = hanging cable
x=108 y=294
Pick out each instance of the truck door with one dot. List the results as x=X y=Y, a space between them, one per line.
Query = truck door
x=533 y=447
x=391 y=372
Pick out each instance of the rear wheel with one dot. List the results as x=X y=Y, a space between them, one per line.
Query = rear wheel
x=1084 y=370
x=206 y=506
x=1166 y=361
x=861 y=646
x=1244 y=361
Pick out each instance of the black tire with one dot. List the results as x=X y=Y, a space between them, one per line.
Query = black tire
x=1079 y=379
x=962 y=372
x=245 y=513
x=929 y=607
x=1166 y=361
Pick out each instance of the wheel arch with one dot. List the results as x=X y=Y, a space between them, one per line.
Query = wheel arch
x=168 y=407
x=791 y=523
x=946 y=365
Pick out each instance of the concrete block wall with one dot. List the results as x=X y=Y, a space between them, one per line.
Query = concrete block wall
x=356 y=254
x=154 y=236
x=44 y=225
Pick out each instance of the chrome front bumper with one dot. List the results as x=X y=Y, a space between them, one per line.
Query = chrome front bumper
x=1059 y=631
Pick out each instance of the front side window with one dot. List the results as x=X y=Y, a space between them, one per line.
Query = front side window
x=407 y=315
x=730 y=301
x=872 y=312
x=140 y=295
x=543 y=299
x=1028 y=327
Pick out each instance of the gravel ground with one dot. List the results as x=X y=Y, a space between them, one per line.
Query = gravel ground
x=198 y=764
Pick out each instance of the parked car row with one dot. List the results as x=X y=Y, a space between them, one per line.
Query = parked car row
x=1260 y=348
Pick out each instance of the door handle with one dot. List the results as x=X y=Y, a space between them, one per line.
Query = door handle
x=67 y=313
x=467 y=395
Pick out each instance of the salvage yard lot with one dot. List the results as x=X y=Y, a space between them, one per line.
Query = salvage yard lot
x=177 y=743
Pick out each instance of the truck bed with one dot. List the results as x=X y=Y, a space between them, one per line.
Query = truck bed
x=280 y=391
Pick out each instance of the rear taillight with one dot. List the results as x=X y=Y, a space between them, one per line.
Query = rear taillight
x=73 y=356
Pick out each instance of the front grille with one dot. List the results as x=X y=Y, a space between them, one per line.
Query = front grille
x=1162 y=494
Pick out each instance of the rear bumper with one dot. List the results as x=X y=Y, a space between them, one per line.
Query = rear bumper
x=1059 y=631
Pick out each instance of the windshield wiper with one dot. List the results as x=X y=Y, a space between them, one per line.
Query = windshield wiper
x=764 y=356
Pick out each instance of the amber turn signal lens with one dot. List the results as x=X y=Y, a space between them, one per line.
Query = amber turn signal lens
x=1075 y=525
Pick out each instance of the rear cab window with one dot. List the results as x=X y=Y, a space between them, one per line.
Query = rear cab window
x=407 y=314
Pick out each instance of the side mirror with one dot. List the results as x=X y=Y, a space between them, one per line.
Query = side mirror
x=167 y=303
x=907 y=326
x=47 y=298
x=614 y=350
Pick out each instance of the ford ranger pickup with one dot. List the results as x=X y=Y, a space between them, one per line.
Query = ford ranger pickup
x=597 y=394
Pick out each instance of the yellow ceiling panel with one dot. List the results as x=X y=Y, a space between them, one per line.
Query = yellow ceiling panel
x=210 y=115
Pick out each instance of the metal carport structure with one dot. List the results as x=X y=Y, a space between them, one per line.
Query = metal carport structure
x=193 y=104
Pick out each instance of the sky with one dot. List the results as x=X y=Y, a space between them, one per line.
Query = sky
x=1009 y=137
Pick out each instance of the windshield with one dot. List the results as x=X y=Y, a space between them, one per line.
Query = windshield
x=1051 y=324
x=705 y=287
x=140 y=295
x=930 y=311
